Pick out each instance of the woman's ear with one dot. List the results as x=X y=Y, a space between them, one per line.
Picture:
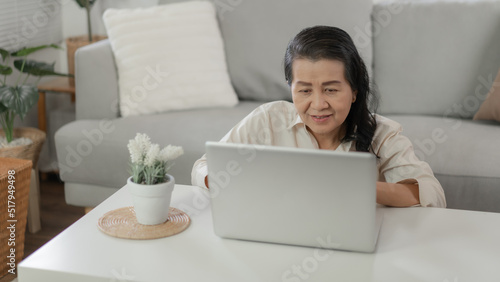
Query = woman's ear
x=354 y=94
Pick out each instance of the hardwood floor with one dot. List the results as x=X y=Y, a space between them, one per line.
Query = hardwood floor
x=55 y=215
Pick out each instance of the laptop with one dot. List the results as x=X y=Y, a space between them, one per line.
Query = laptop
x=304 y=197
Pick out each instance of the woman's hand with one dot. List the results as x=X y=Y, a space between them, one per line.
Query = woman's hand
x=397 y=194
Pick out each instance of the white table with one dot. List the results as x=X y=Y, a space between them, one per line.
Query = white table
x=415 y=244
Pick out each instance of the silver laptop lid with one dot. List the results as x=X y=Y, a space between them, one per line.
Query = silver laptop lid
x=306 y=197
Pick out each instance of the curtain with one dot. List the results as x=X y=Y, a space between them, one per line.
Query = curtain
x=28 y=23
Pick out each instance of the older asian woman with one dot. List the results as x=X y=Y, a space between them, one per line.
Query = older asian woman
x=330 y=90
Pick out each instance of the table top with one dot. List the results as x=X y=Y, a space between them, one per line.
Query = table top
x=59 y=84
x=415 y=244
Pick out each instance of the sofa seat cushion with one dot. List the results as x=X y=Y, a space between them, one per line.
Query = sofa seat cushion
x=454 y=146
x=95 y=151
x=463 y=155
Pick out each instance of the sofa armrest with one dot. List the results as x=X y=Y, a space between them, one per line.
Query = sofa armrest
x=96 y=82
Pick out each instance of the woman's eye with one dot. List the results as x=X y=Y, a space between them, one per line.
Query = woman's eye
x=305 y=91
x=331 y=90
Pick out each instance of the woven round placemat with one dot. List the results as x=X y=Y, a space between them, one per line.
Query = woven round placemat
x=122 y=223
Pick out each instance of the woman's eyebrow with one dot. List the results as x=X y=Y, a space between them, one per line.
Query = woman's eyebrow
x=331 y=82
x=304 y=83
x=324 y=83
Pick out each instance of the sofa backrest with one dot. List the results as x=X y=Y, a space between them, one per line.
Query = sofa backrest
x=435 y=57
x=256 y=33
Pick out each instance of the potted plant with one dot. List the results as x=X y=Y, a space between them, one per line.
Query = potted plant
x=18 y=99
x=87 y=5
x=149 y=184
x=73 y=43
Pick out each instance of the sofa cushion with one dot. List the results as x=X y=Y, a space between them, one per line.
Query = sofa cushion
x=463 y=155
x=435 y=57
x=169 y=57
x=454 y=146
x=95 y=151
x=490 y=108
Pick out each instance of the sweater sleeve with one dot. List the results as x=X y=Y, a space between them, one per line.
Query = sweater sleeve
x=247 y=131
x=399 y=164
x=199 y=172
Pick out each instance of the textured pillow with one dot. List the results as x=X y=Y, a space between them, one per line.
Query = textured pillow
x=490 y=109
x=169 y=57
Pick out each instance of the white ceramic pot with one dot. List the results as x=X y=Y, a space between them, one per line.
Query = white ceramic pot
x=151 y=202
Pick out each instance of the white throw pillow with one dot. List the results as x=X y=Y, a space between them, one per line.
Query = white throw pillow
x=169 y=57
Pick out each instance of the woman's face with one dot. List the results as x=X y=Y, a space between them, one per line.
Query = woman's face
x=322 y=96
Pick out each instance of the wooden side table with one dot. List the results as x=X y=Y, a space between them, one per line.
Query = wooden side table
x=58 y=85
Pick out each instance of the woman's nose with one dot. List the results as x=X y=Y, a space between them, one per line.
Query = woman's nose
x=318 y=101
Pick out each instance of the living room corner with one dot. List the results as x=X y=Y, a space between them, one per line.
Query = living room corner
x=26 y=23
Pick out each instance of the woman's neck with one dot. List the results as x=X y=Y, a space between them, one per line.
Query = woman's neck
x=329 y=141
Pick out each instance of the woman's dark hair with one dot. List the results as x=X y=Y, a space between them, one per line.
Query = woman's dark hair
x=326 y=42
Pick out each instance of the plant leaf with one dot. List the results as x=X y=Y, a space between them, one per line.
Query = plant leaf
x=37 y=68
x=4 y=54
x=5 y=70
x=26 y=51
x=19 y=99
x=32 y=67
x=2 y=107
x=83 y=3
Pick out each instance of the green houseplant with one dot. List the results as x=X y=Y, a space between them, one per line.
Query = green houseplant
x=75 y=42
x=19 y=98
x=87 y=5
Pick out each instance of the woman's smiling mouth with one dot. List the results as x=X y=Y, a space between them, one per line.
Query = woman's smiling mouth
x=320 y=118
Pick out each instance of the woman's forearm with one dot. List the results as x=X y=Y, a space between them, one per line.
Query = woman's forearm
x=397 y=194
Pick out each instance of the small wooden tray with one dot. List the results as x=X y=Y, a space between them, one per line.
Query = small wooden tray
x=122 y=223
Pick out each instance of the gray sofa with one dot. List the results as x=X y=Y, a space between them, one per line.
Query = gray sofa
x=431 y=61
